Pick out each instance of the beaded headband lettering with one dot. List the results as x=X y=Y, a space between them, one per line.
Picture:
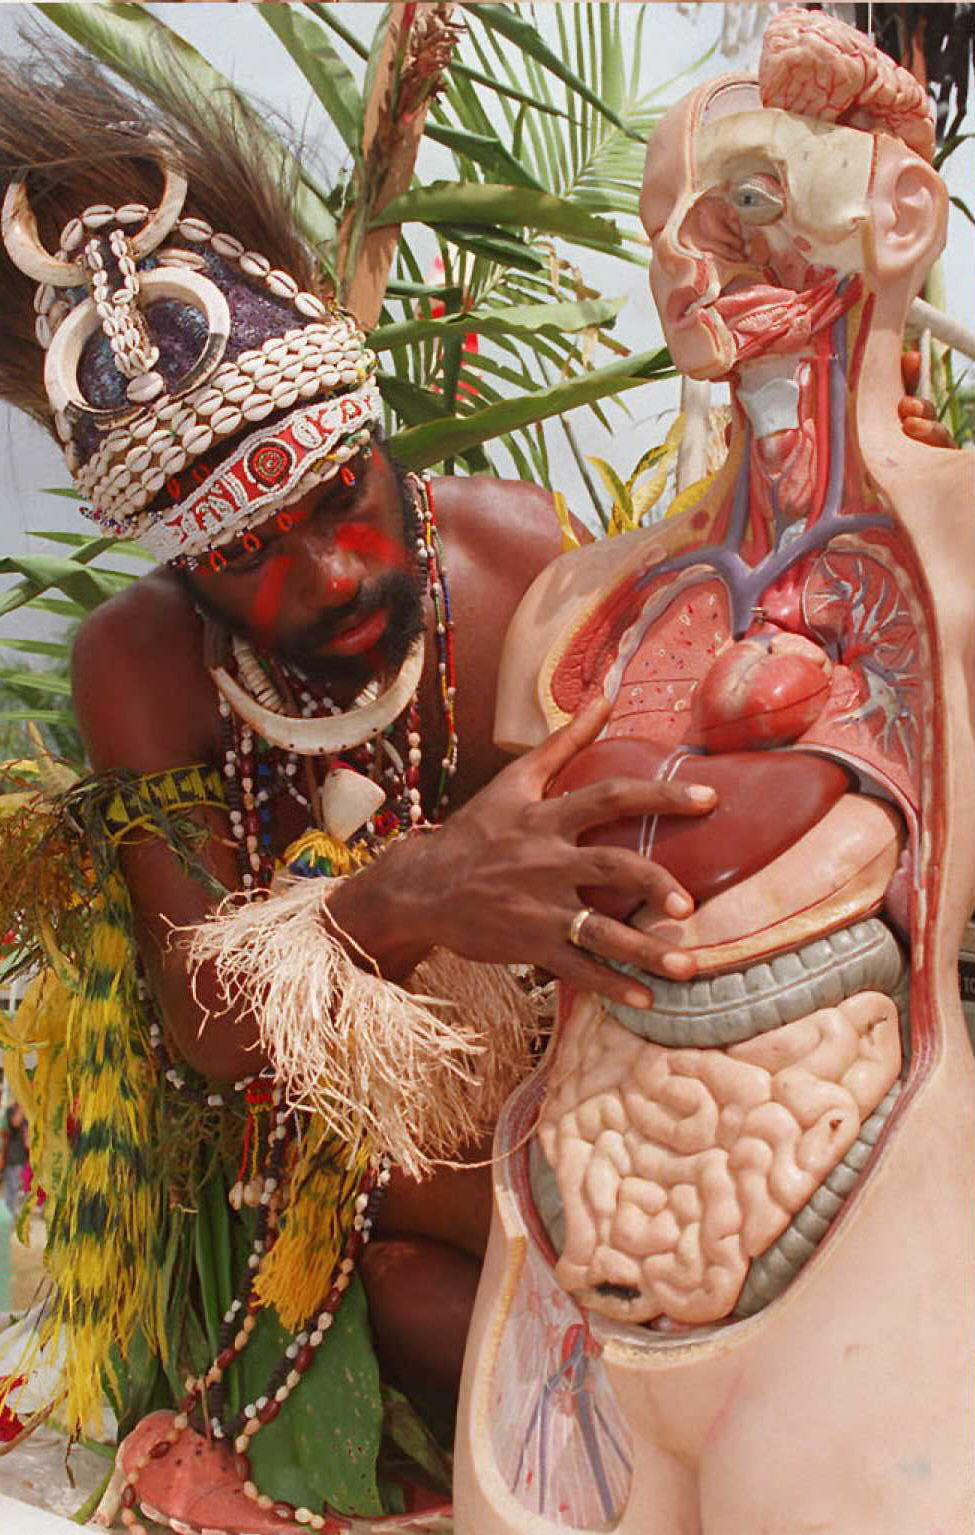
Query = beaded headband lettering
x=268 y=470
x=310 y=372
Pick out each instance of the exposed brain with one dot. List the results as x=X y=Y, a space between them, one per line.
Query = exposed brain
x=815 y=66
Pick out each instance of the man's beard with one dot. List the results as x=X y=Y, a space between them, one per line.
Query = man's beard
x=397 y=592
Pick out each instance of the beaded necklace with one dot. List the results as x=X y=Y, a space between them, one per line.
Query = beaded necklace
x=252 y=780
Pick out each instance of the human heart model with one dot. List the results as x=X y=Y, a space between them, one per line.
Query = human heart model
x=731 y=1280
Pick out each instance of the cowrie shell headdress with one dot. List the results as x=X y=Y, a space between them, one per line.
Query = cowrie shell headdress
x=148 y=449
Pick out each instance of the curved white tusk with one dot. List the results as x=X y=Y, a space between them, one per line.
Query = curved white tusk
x=64 y=353
x=18 y=228
x=163 y=218
x=336 y=733
x=347 y=801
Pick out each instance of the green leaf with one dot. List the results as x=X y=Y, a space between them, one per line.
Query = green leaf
x=410 y=401
x=527 y=39
x=647 y=461
x=38 y=716
x=330 y=79
x=421 y=446
x=524 y=319
x=212 y=1252
x=36 y=682
x=376 y=48
x=410 y=1434
x=325 y=1446
x=948 y=148
x=75 y=580
x=458 y=202
x=38 y=647
x=449 y=296
x=509 y=92
x=88 y=1507
x=54 y=536
x=63 y=609
x=89 y=547
x=963 y=208
x=495 y=247
x=325 y=12
x=488 y=152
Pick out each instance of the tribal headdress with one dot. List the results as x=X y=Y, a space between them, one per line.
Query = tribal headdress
x=176 y=339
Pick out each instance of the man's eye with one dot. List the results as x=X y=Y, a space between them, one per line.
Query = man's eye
x=757 y=201
x=247 y=561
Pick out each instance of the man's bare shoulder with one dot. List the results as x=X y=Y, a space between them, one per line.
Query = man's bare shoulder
x=508 y=527
x=142 y=695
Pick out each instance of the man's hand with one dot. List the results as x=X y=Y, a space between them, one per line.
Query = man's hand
x=919 y=419
x=499 y=883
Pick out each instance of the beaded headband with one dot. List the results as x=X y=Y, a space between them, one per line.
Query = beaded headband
x=165 y=342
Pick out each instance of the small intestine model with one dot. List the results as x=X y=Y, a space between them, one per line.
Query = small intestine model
x=731 y=1278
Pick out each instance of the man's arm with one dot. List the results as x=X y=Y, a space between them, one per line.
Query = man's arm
x=145 y=704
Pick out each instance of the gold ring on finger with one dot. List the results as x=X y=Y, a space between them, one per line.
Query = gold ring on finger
x=577 y=924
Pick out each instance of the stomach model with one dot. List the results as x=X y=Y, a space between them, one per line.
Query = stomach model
x=689 y=1158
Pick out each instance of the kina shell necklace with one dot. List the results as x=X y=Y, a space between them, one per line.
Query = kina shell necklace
x=366 y=771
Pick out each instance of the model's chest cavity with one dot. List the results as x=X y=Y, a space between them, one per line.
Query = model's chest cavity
x=833 y=659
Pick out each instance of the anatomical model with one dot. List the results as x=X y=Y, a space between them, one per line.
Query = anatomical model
x=731 y=1281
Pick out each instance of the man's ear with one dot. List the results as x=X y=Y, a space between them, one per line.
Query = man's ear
x=910 y=211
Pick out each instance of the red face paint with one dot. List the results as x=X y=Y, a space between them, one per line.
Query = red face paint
x=360 y=539
x=266 y=608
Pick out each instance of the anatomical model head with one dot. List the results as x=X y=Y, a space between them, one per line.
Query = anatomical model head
x=771 y=203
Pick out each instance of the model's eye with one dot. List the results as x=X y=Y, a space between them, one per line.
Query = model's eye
x=757 y=200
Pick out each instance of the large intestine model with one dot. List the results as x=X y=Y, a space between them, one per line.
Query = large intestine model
x=731 y=1279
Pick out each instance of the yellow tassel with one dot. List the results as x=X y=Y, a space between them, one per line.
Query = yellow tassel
x=315 y=852
x=99 y=1252
x=297 y=1272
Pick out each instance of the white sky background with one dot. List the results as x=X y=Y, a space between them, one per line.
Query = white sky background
x=238 y=42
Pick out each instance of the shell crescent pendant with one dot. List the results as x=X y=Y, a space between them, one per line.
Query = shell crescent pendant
x=337 y=733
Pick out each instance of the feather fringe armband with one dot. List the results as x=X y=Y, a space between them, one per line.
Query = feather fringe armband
x=421 y=1072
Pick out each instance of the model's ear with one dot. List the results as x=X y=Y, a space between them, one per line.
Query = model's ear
x=910 y=210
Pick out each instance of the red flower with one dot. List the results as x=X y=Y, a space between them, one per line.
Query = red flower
x=10 y=1424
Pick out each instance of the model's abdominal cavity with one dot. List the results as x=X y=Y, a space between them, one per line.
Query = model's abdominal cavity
x=746 y=1206
x=686 y=1138
x=690 y=1157
x=677 y=1167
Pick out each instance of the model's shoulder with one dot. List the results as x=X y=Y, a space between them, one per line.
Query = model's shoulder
x=559 y=597
x=142 y=694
